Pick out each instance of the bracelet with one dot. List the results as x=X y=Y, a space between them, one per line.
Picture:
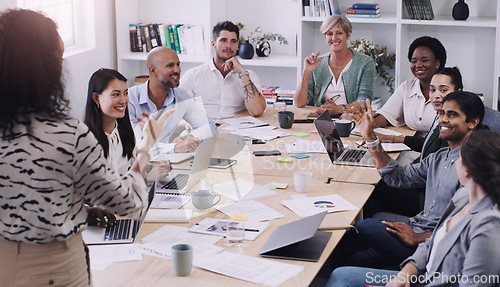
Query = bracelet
x=241 y=74
x=373 y=143
x=144 y=151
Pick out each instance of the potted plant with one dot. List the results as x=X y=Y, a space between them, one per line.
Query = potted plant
x=260 y=40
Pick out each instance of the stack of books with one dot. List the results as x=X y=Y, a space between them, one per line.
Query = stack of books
x=269 y=92
x=285 y=95
x=183 y=39
x=363 y=10
x=419 y=9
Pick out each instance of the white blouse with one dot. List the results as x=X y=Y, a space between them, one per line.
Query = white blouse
x=336 y=87
x=116 y=160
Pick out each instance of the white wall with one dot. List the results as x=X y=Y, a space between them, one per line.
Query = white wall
x=79 y=68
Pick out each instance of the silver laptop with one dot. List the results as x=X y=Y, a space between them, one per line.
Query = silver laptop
x=180 y=181
x=298 y=240
x=335 y=148
x=124 y=231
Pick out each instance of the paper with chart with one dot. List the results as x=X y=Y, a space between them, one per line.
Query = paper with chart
x=249 y=268
x=312 y=205
x=303 y=146
x=218 y=227
x=242 y=189
x=101 y=256
x=256 y=211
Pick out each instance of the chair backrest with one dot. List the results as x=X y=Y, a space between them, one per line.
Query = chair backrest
x=492 y=119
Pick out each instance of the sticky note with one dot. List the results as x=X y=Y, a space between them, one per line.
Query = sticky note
x=312 y=132
x=280 y=185
x=301 y=135
x=239 y=217
x=300 y=156
x=285 y=159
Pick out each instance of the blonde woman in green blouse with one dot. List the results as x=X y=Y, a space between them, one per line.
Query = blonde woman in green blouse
x=336 y=80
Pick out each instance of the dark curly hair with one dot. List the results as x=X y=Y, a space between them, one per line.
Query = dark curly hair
x=98 y=82
x=481 y=156
x=431 y=43
x=30 y=69
x=226 y=25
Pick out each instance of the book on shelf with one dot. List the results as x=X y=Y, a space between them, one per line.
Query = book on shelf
x=363 y=15
x=419 y=9
x=363 y=11
x=320 y=8
x=335 y=7
x=365 y=6
x=183 y=39
x=269 y=90
x=285 y=95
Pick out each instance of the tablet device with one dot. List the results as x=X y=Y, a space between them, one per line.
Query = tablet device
x=221 y=163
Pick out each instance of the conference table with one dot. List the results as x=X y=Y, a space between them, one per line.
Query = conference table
x=354 y=184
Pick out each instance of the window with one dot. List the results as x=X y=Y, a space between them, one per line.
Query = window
x=74 y=18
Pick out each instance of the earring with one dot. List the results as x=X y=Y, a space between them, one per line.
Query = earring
x=98 y=107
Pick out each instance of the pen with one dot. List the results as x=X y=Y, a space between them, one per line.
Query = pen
x=334 y=98
x=361 y=145
x=252 y=230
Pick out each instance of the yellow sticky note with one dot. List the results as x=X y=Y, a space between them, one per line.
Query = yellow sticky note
x=239 y=217
x=280 y=185
x=285 y=159
x=301 y=135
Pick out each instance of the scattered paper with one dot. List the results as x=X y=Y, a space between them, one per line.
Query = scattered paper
x=249 y=268
x=245 y=122
x=242 y=189
x=216 y=226
x=161 y=250
x=312 y=205
x=167 y=200
x=101 y=256
x=383 y=131
x=168 y=215
x=256 y=211
x=303 y=146
x=263 y=133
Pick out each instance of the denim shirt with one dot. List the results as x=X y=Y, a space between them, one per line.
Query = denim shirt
x=186 y=108
x=437 y=174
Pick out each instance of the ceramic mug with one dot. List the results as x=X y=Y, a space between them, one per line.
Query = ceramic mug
x=182 y=259
x=204 y=199
x=285 y=119
x=344 y=127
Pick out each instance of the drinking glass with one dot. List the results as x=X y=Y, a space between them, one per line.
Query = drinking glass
x=235 y=233
x=277 y=107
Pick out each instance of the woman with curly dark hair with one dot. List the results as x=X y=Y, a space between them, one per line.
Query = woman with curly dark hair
x=51 y=164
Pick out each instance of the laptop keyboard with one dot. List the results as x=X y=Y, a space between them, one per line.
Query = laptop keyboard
x=353 y=155
x=177 y=183
x=119 y=230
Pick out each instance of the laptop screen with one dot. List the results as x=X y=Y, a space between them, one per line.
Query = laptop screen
x=329 y=136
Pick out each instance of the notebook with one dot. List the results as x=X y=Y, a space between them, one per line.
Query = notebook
x=335 y=148
x=179 y=182
x=298 y=240
x=124 y=231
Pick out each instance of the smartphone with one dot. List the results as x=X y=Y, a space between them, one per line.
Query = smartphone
x=221 y=162
x=258 y=141
x=266 y=152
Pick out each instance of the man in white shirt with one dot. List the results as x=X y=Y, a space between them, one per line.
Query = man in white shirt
x=161 y=91
x=223 y=84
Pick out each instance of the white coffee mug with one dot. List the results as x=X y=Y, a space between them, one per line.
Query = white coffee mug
x=302 y=181
x=204 y=199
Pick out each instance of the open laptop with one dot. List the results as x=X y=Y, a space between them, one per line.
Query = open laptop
x=335 y=148
x=298 y=240
x=180 y=181
x=124 y=231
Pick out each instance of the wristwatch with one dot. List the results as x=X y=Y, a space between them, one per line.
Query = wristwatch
x=241 y=74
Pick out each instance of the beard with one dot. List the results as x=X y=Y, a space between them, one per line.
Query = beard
x=168 y=83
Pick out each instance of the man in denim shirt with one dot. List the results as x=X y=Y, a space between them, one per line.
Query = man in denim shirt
x=386 y=244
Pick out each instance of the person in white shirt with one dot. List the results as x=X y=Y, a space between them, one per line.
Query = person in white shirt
x=410 y=104
x=223 y=84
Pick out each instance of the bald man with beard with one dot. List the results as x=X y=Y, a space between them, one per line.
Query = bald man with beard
x=162 y=91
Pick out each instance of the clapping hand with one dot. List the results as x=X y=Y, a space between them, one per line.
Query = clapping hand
x=186 y=144
x=153 y=127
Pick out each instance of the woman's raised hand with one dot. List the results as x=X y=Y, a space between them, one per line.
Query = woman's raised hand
x=311 y=62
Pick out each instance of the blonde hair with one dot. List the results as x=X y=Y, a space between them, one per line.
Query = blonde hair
x=333 y=20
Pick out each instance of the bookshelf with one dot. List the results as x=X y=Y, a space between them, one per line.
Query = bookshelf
x=280 y=68
x=472 y=45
